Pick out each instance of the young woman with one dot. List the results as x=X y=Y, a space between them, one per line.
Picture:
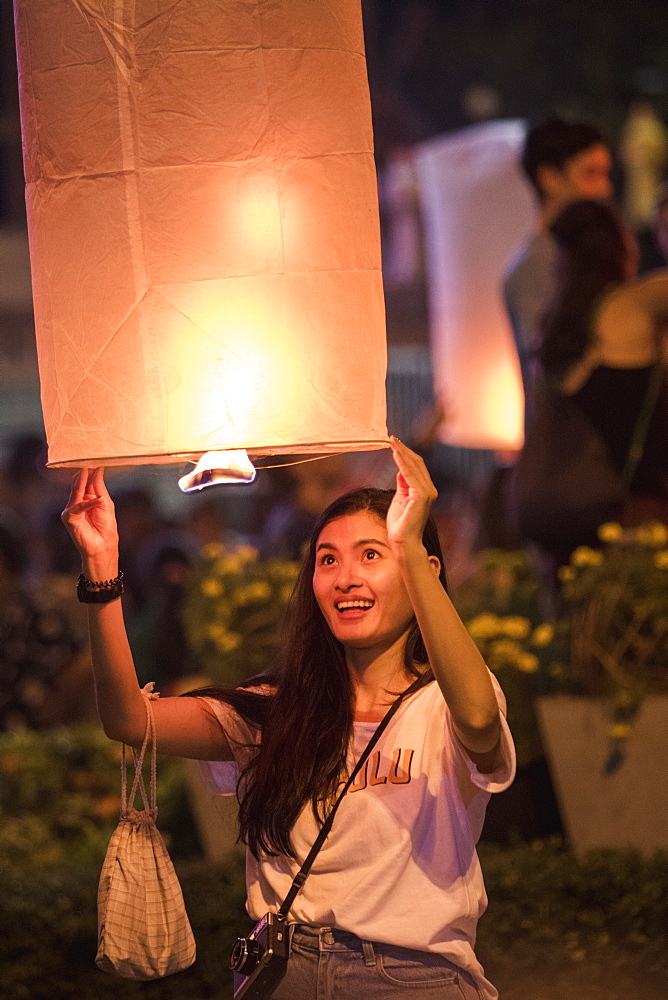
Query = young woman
x=394 y=896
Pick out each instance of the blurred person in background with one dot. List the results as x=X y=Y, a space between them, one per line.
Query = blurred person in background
x=140 y=522
x=564 y=162
x=42 y=662
x=643 y=153
x=602 y=337
x=207 y=522
x=50 y=575
x=289 y=523
x=156 y=632
x=23 y=487
x=457 y=509
x=28 y=487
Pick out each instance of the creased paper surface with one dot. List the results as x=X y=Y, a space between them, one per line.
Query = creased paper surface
x=203 y=227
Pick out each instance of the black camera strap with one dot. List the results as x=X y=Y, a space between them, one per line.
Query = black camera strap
x=305 y=869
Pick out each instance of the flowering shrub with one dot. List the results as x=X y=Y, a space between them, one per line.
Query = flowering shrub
x=501 y=608
x=505 y=584
x=526 y=660
x=234 y=610
x=60 y=795
x=616 y=599
x=610 y=639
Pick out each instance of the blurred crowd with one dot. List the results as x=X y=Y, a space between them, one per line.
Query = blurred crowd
x=587 y=299
x=588 y=303
x=45 y=677
x=44 y=670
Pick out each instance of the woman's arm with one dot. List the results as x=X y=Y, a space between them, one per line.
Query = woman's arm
x=458 y=667
x=184 y=726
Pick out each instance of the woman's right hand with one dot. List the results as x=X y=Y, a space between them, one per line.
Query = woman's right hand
x=91 y=522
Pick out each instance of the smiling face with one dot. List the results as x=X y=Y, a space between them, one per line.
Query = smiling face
x=358 y=584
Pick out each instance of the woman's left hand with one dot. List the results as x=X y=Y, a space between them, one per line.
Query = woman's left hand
x=412 y=501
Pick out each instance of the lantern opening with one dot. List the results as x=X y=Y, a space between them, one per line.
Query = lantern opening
x=216 y=467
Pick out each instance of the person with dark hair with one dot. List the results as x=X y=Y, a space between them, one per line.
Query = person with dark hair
x=395 y=892
x=602 y=336
x=564 y=162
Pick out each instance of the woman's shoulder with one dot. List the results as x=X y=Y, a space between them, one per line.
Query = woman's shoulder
x=240 y=711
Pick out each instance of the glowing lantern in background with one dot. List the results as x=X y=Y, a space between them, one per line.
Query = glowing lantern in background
x=203 y=225
x=478 y=211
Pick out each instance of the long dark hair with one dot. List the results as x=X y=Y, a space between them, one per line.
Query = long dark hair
x=307 y=723
x=594 y=257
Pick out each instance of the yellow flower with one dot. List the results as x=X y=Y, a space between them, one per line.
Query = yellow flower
x=230 y=564
x=528 y=663
x=515 y=626
x=610 y=532
x=212 y=550
x=654 y=534
x=216 y=631
x=224 y=640
x=584 y=556
x=566 y=573
x=661 y=559
x=246 y=553
x=660 y=534
x=620 y=731
x=261 y=590
x=543 y=635
x=483 y=626
x=258 y=591
x=211 y=587
x=229 y=642
x=507 y=650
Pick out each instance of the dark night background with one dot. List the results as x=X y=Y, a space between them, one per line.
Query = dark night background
x=434 y=66
x=568 y=56
x=559 y=926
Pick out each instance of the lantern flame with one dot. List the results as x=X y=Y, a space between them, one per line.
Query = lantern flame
x=218 y=467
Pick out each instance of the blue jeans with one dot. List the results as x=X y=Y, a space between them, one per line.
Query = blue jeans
x=329 y=964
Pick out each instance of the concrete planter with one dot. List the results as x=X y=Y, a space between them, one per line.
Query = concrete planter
x=626 y=809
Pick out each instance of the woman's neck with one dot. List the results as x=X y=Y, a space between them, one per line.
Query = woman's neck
x=377 y=678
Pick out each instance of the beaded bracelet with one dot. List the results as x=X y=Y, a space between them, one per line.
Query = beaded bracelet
x=105 y=590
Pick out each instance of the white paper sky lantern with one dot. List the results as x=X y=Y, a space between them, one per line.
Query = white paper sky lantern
x=203 y=225
x=478 y=211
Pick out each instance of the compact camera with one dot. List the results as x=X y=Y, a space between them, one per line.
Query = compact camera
x=259 y=960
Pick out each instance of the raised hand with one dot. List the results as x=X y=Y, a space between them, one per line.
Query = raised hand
x=89 y=517
x=412 y=501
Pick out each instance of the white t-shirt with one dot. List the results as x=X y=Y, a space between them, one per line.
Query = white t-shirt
x=400 y=864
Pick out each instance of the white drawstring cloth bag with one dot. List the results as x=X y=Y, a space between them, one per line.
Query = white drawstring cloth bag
x=143 y=927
